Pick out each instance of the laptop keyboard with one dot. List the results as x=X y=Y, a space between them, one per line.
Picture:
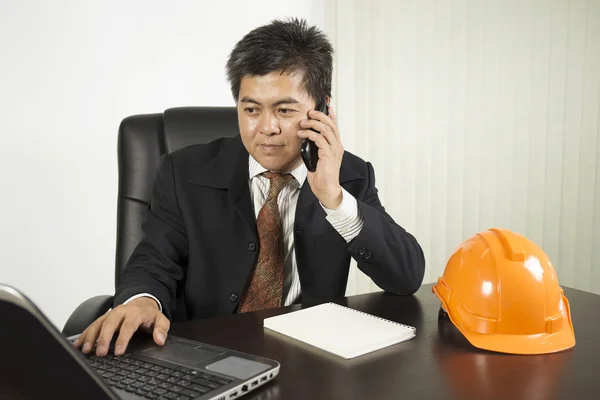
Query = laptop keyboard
x=154 y=381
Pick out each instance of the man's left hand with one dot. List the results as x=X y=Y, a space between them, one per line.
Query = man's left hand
x=325 y=181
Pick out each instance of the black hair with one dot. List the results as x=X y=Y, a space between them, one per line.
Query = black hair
x=288 y=46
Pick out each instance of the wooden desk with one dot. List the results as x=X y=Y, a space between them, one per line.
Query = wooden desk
x=438 y=364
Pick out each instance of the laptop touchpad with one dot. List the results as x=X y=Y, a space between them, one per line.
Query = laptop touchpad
x=182 y=353
x=237 y=367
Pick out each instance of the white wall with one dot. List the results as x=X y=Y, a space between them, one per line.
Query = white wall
x=70 y=72
x=478 y=114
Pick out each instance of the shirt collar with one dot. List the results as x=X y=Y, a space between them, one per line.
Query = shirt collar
x=254 y=169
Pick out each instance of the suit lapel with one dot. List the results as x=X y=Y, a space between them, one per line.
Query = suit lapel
x=306 y=197
x=239 y=190
x=229 y=170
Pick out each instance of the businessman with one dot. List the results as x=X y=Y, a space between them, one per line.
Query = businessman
x=240 y=224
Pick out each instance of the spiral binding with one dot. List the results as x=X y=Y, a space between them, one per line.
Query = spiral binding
x=376 y=317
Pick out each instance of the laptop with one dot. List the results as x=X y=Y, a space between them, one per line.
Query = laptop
x=38 y=361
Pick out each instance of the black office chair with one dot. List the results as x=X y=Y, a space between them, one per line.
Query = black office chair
x=142 y=140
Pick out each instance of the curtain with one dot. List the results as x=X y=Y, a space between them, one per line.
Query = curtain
x=476 y=114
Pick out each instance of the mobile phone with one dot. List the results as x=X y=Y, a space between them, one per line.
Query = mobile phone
x=309 y=150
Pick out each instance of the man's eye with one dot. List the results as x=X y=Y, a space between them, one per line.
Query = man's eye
x=249 y=110
x=286 y=110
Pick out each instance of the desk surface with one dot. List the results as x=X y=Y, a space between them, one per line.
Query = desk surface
x=438 y=364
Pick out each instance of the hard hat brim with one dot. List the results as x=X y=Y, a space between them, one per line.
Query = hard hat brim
x=541 y=343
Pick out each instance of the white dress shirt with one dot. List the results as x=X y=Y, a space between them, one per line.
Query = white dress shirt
x=346 y=219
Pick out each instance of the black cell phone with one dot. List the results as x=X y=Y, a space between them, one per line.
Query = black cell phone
x=309 y=150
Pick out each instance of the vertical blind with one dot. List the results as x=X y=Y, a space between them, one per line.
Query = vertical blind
x=477 y=114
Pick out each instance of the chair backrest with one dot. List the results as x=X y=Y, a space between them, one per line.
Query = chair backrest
x=143 y=139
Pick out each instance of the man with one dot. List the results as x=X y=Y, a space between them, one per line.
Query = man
x=240 y=224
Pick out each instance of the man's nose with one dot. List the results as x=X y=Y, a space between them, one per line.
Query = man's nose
x=269 y=125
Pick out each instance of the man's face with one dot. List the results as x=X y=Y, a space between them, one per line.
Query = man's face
x=270 y=108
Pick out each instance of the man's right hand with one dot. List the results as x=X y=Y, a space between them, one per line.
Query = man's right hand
x=142 y=312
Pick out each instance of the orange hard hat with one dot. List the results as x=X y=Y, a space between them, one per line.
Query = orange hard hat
x=501 y=292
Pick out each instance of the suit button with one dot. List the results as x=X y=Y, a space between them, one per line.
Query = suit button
x=251 y=246
x=368 y=255
x=233 y=297
x=361 y=252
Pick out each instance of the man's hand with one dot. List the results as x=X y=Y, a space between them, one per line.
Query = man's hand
x=325 y=181
x=142 y=313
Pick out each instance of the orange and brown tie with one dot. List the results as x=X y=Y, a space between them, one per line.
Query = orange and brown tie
x=265 y=288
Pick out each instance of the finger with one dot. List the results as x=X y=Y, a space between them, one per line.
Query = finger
x=331 y=140
x=89 y=336
x=314 y=124
x=319 y=139
x=332 y=114
x=320 y=116
x=79 y=341
x=109 y=327
x=130 y=324
x=323 y=130
x=333 y=117
x=161 y=328
x=325 y=119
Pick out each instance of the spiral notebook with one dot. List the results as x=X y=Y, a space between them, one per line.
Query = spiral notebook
x=340 y=330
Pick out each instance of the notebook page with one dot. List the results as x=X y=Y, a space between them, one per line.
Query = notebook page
x=340 y=330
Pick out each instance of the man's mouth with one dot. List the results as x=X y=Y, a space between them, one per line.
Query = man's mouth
x=270 y=146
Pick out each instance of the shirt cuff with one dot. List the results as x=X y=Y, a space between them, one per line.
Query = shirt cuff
x=144 y=295
x=346 y=219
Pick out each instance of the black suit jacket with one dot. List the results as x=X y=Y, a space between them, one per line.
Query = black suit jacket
x=200 y=240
